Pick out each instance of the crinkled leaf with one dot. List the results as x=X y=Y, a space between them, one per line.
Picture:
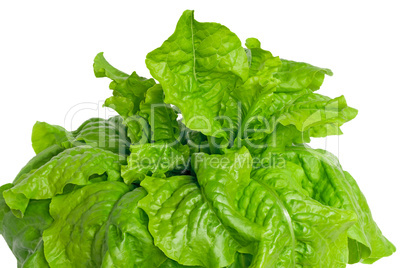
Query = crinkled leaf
x=307 y=115
x=24 y=236
x=108 y=134
x=39 y=160
x=183 y=225
x=197 y=67
x=330 y=185
x=256 y=94
x=267 y=215
x=295 y=76
x=122 y=105
x=4 y=209
x=129 y=244
x=72 y=166
x=269 y=211
x=132 y=87
x=161 y=117
x=138 y=129
x=100 y=225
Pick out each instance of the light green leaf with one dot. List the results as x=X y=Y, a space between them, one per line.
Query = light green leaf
x=303 y=113
x=4 y=209
x=161 y=116
x=330 y=185
x=100 y=225
x=108 y=134
x=129 y=244
x=39 y=160
x=267 y=215
x=183 y=225
x=255 y=95
x=45 y=135
x=197 y=67
x=132 y=87
x=72 y=166
x=295 y=76
x=269 y=210
x=173 y=264
x=122 y=105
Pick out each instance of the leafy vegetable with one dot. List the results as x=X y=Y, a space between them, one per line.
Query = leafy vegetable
x=205 y=166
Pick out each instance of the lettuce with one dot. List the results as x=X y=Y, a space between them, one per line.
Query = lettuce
x=206 y=165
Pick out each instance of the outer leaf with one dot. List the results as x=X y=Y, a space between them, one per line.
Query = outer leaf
x=114 y=235
x=129 y=244
x=317 y=112
x=108 y=134
x=183 y=225
x=332 y=186
x=154 y=158
x=283 y=226
x=45 y=135
x=295 y=76
x=197 y=66
x=256 y=94
x=307 y=115
x=122 y=105
x=72 y=166
x=39 y=160
x=4 y=209
x=132 y=87
x=24 y=236
x=268 y=216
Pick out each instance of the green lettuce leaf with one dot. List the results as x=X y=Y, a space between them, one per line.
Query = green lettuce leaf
x=295 y=76
x=73 y=166
x=100 y=225
x=24 y=236
x=39 y=160
x=45 y=135
x=331 y=186
x=303 y=113
x=260 y=106
x=128 y=93
x=273 y=214
x=197 y=67
x=132 y=87
x=161 y=116
x=108 y=134
x=183 y=225
x=254 y=96
x=205 y=221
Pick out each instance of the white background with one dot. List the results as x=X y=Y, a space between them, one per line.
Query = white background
x=47 y=48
